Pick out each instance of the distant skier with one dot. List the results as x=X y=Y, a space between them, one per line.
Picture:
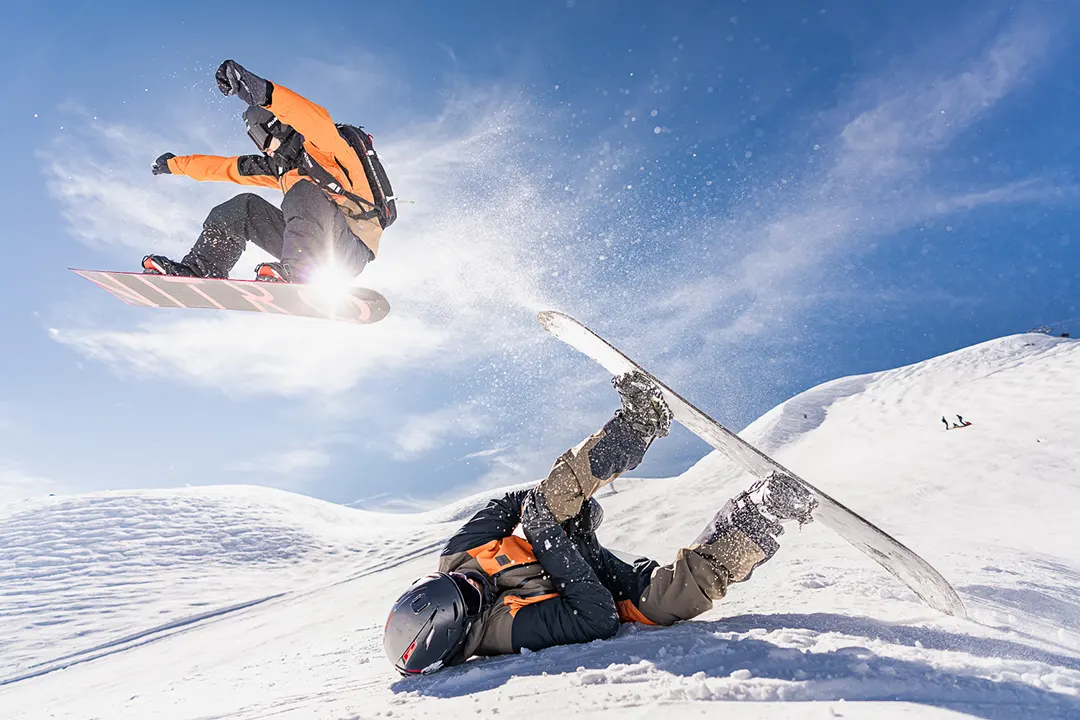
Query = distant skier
x=945 y=421
x=337 y=198
x=496 y=593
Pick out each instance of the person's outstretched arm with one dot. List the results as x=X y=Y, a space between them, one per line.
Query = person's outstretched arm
x=243 y=170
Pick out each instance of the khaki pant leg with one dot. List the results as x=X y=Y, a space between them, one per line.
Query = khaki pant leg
x=368 y=231
x=682 y=590
x=687 y=587
x=571 y=482
x=735 y=553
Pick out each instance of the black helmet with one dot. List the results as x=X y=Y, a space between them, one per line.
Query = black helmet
x=263 y=126
x=430 y=622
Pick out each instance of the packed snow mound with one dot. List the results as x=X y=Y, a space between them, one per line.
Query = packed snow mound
x=930 y=389
x=89 y=568
x=246 y=603
x=178 y=528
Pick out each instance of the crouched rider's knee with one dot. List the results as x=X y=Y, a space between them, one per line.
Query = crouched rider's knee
x=232 y=214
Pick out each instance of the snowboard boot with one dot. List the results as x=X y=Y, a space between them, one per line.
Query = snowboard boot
x=161 y=265
x=643 y=405
x=743 y=534
x=273 y=272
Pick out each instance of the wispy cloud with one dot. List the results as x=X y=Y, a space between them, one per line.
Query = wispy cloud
x=286 y=462
x=875 y=176
x=246 y=355
x=484 y=453
x=100 y=173
x=419 y=434
x=888 y=140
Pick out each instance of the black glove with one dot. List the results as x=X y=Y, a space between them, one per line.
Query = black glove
x=536 y=517
x=161 y=165
x=233 y=79
x=586 y=521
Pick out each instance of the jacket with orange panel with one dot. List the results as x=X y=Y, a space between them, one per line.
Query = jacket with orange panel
x=320 y=140
x=555 y=586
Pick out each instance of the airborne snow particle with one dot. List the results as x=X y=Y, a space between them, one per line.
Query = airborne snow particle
x=656 y=130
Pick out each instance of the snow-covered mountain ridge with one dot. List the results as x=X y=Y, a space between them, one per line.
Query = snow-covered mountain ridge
x=250 y=602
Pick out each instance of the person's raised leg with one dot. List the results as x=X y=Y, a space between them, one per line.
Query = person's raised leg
x=739 y=538
x=226 y=231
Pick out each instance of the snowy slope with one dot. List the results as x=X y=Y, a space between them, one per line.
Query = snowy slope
x=252 y=603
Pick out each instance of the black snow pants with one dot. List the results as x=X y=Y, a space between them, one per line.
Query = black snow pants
x=309 y=230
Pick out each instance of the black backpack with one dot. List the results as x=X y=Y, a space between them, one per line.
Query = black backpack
x=385 y=207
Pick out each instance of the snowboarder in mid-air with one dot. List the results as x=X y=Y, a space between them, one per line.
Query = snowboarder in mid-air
x=496 y=593
x=337 y=198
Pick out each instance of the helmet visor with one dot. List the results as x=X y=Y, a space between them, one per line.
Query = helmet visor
x=473 y=598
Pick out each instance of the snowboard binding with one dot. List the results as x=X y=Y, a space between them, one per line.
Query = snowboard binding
x=161 y=265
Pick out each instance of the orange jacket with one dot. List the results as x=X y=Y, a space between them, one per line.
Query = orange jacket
x=321 y=141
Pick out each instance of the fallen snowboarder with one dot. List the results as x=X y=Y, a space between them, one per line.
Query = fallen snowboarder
x=496 y=593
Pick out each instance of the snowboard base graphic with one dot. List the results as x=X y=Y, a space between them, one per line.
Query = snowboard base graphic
x=911 y=569
x=353 y=305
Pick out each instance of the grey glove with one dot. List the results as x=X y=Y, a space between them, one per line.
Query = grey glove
x=643 y=404
x=233 y=79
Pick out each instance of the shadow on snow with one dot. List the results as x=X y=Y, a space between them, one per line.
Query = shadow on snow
x=702 y=663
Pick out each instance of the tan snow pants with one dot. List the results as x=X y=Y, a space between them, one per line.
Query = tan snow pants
x=680 y=590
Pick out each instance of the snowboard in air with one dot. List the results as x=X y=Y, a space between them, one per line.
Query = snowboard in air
x=354 y=304
x=902 y=562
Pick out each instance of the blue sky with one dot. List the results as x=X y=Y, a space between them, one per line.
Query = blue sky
x=749 y=197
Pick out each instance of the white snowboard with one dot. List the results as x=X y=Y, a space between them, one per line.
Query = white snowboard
x=894 y=556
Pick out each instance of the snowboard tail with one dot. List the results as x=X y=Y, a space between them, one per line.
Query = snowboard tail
x=354 y=305
x=907 y=566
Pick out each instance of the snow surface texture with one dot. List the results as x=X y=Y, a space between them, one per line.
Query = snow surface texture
x=246 y=602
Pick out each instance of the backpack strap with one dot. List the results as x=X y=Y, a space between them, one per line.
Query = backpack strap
x=322 y=177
